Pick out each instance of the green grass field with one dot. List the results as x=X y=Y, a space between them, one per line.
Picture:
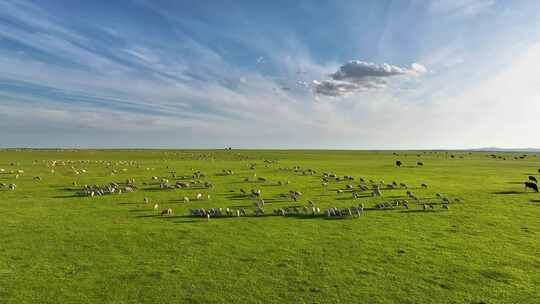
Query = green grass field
x=58 y=247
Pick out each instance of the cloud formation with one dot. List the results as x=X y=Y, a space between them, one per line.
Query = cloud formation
x=357 y=75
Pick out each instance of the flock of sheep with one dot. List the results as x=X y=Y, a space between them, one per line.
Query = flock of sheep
x=358 y=188
x=364 y=188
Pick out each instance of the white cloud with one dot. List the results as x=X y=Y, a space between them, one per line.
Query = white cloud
x=356 y=71
x=355 y=76
x=334 y=88
x=418 y=68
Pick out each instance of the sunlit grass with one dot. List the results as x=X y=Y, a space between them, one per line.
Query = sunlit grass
x=57 y=247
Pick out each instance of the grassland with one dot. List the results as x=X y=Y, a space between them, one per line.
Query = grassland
x=57 y=247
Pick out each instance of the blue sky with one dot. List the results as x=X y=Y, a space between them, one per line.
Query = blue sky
x=269 y=74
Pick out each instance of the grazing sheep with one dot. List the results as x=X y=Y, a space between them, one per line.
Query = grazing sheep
x=279 y=211
x=405 y=204
x=199 y=196
x=384 y=205
x=427 y=207
x=146 y=200
x=166 y=212
x=363 y=187
x=182 y=185
x=156 y=206
x=532 y=186
x=294 y=195
x=329 y=212
x=259 y=211
x=186 y=199
x=360 y=209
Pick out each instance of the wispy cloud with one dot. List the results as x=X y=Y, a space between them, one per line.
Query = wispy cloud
x=466 y=8
x=233 y=75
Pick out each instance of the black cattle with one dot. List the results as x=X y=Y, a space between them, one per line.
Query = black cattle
x=532 y=186
x=398 y=163
x=538 y=170
x=420 y=163
x=533 y=179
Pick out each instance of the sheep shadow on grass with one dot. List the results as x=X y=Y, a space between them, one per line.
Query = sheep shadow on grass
x=68 y=196
x=140 y=210
x=422 y=211
x=507 y=192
